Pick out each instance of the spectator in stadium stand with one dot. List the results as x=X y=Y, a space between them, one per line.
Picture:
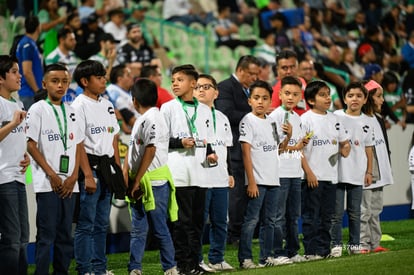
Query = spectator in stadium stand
x=278 y=22
x=88 y=42
x=116 y=25
x=225 y=29
x=272 y=5
x=407 y=51
x=153 y=72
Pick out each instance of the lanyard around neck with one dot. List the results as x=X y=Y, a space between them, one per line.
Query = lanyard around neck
x=213 y=112
x=190 y=121
x=63 y=132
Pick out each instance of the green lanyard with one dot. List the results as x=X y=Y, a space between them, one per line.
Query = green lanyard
x=190 y=121
x=213 y=112
x=63 y=133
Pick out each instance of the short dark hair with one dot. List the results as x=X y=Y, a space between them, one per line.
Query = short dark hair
x=31 y=24
x=389 y=78
x=261 y=84
x=54 y=67
x=291 y=80
x=186 y=69
x=148 y=70
x=144 y=91
x=209 y=77
x=63 y=33
x=116 y=72
x=246 y=60
x=86 y=69
x=6 y=63
x=355 y=85
x=312 y=90
x=285 y=54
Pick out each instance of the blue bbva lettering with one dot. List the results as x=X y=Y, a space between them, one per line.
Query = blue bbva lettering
x=53 y=137
x=98 y=130
x=18 y=129
x=320 y=142
x=268 y=148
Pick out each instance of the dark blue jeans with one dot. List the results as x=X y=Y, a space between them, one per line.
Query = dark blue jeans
x=139 y=230
x=318 y=209
x=287 y=215
x=353 y=208
x=217 y=202
x=54 y=228
x=91 y=229
x=14 y=228
x=262 y=208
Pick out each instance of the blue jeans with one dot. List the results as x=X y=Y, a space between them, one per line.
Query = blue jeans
x=264 y=208
x=353 y=207
x=54 y=228
x=318 y=208
x=139 y=230
x=217 y=202
x=288 y=201
x=14 y=228
x=91 y=229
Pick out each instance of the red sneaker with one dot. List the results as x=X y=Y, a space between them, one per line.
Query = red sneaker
x=380 y=249
x=364 y=251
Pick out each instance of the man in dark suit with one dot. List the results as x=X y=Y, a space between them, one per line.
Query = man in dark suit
x=232 y=101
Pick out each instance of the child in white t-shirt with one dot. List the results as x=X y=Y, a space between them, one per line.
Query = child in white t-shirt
x=355 y=171
x=101 y=173
x=190 y=126
x=372 y=196
x=220 y=175
x=290 y=173
x=260 y=145
x=13 y=162
x=151 y=177
x=327 y=141
x=54 y=140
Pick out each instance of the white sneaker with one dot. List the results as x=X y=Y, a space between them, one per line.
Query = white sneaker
x=297 y=259
x=313 y=257
x=135 y=272
x=269 y=261
x=223 y=266
x=336 y=251
x=109 y=272
x=206 y=268
x=171 y=271
x=248 y=264
x=282 y=260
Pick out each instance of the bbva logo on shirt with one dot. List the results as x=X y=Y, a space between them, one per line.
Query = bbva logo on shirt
x=101 y=130
x=323 y=142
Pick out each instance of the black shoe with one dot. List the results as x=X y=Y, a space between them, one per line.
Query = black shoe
x=198 y=270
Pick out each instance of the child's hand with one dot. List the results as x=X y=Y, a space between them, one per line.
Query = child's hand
x=345 y=149
x=252 y=190
x=24 y=163
x=56 y=183
x=188 y=142
x=18 y=117
x=287 y=129
x=67 y=187
x=212 y=158
x=312 y=180
x=231 y=181
x=368 y=179
x=90 y=185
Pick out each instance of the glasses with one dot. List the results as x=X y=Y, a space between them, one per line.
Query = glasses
x=204 y=86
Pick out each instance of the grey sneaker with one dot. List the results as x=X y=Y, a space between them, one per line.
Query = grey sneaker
x=171 y=271
x=281 y=260
x=135 y=272
x=248 y=264
x=336 y=251
x=313 y=257
x=206 y=267
x=297 y=259
x=223 y=266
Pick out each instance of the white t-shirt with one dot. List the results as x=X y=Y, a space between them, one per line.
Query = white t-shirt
x=218 y=175
x=149 y=129
x=290 y=163
x=121 y=99
x=119 y=33
x=261 y=135
x=43 y=128
x=361 y=134
x=382 y=156
x=322 y=151
x=187 y=165
x=98 y=124
x=13 y=146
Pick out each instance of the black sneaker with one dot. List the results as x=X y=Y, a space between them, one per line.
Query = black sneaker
x=198 y=270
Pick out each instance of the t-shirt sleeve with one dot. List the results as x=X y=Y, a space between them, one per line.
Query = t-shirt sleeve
x=33 y=120
x=150 y=132
x=246 y=131
x=370 y=136
x=27 y=52
x=80 y=121
x=411 y=161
